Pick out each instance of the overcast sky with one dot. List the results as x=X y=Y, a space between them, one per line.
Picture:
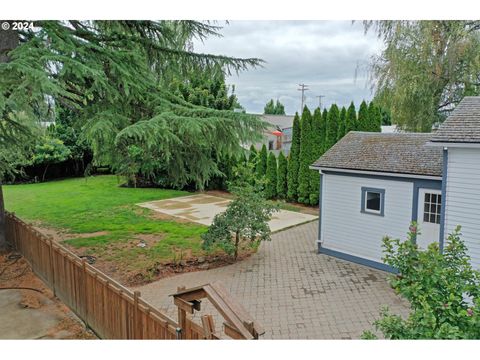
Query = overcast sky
x=331 y=57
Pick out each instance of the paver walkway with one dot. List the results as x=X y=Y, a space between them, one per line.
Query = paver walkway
x=294 y=292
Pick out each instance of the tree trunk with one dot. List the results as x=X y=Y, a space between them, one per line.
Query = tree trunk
x=45 y=173
x=8 y=41
x=3 y=238
x=237 y=241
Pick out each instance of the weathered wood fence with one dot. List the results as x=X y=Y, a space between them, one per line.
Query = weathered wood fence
x=108 y=308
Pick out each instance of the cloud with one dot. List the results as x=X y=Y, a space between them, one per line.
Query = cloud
x=329 y=56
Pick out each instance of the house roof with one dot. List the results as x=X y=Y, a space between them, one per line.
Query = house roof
x=402 y=153
x=463 y=125
x=280 y=121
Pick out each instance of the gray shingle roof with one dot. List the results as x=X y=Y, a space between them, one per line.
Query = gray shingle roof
x=280 y=121
x=463 y=125
x=403 y=153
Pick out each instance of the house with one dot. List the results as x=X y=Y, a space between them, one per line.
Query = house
x=278 y=136
x=375 y=184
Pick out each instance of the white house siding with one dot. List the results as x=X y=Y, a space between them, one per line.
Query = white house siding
x=346 y=229
x=463 y=198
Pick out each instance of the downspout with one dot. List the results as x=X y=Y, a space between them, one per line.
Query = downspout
x=444 y=199
x=320 y=208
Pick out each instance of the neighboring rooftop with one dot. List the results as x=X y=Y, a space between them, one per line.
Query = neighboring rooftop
x=463 y=125
x=403 y=153
x=279 y=121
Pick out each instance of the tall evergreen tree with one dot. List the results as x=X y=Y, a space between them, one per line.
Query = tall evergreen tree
x=318 y=128
x=294 y=160
x=363 y=118
x=274 y=108
x=271 y=177
x=351 y=119
x=342 y=123
x=262 y=162
x=306 y=150
x=279 y=108
x=333 y=120
x=253 y=157
x=282 y=176
x=374 y=118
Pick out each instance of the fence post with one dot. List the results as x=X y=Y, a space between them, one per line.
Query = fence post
x=136 y=295
x=52 y=266
x=85 y=290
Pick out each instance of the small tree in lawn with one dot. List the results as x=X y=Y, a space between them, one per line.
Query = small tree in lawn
x=442 y=288
x=50 y=151
x=262 y=162
x=282 y=176
x=271 y=177
x=246 y=217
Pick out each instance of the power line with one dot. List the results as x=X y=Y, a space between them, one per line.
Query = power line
x=303 y=88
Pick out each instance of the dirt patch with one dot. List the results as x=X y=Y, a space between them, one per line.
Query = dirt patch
x=15 y=272
x=171 y=205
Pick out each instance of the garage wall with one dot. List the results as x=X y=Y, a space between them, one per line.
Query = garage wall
x=345 y=229
x=463 y=198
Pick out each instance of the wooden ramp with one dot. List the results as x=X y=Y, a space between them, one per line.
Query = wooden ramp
x=238 y=323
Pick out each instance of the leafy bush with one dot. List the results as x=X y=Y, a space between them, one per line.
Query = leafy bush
x=50 y=151
x=442 y=289
x=246 y=217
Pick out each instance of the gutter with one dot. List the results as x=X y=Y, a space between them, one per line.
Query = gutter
x=377 y=173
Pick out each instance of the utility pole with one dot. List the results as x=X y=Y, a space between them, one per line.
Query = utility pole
x=320 y=101
x=303 y=88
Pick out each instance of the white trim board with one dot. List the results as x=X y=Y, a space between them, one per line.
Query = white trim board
x=376 y=173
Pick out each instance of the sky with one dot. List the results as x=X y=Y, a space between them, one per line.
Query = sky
x=331 y=57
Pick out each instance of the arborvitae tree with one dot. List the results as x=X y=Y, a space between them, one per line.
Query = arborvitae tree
x=363 y=118
x=294 y=160
x=306 y=150
x=351 y=120
x=272 y=108
x=341 y=125
x=242 y=159
x=252 y=157
x=262 y=162
x=271 y=177
x=333 y=119
x=282 y=176
x=374 y=118
x=318 y=127
x=325 y=119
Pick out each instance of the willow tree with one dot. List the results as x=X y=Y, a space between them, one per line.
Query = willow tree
x=425 y=69
x=112 y=74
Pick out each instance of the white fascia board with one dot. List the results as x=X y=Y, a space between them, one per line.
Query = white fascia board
x=376 y=173
x=454 y=145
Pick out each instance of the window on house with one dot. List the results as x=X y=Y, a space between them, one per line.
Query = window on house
x=432 y=208
x=270 y=145
x=373 y=201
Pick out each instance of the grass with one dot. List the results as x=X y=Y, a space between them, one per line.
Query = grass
x=99 y=204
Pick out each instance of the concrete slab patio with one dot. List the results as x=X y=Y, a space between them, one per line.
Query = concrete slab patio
x=202 y=208
x=292 y=291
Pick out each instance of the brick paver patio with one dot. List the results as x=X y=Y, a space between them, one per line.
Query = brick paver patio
x=292 y=291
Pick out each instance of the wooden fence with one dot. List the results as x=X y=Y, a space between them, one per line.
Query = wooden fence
x=108 y=308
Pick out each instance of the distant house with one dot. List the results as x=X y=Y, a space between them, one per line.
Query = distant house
x=375 y=184
x=278 y=136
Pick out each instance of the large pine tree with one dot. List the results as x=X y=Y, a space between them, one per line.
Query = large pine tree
x=294 y=160
x=333 y=120
x=363 y=122
x=351 y=119
x=282 y=176
x=271 y=177
x=306 y=150
x=342 y=123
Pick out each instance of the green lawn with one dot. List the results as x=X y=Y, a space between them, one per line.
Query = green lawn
x=84 y=206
